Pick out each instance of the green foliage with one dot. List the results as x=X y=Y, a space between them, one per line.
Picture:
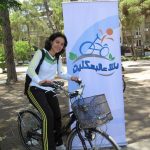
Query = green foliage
x=72 y=56
x=22 y=50
x=6 y=4
x=2 y=55
x=57 y=13
x=132 y=14
x=124 y=58
x=111 y=57
x=145 y=58
x=1 y=35
x=132 y=9
x=31 y=22
x=2 y=58
x=129 y=58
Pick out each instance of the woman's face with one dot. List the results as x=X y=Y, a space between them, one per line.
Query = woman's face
x=57 y=45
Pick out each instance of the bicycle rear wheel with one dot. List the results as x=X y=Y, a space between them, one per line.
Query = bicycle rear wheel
x=29 y=126
x=94 y=140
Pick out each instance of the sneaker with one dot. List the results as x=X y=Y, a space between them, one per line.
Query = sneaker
x=61 y=147
x=39 y=131
x=32 y=142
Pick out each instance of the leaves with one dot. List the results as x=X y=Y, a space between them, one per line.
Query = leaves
x=6 y=4
x=22 y=50
x=132 y=14
x=111 y=57
x=133 y=8
x=2 y=55
x=72 y=56
x=32 y=22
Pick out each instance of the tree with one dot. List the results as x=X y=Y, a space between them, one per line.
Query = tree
x=130 y=10
x=28 y=21
x=49 y=16
x=32 y=21
x=7 y=38
x=57 y=14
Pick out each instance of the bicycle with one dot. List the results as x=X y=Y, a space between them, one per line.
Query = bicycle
x=89 y=47
x=84 y=132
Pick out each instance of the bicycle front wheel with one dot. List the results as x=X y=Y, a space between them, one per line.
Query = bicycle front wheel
x=29 y=126
x=94 y=140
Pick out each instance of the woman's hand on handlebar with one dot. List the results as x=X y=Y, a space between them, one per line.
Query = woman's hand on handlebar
x=76 y=79
x=45 y=81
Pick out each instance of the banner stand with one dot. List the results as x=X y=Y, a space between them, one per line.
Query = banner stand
x=93 y=54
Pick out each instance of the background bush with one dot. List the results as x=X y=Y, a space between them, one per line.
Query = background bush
x=23 y=51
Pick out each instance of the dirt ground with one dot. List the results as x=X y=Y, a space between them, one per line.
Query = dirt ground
x=12 y=101
x=136 y=98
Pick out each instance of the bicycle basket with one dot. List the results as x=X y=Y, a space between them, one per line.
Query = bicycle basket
x=92 y=111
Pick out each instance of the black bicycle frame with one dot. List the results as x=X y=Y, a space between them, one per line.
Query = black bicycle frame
x=66 y=127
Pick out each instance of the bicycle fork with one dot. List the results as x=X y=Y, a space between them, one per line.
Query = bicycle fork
x=81 y=137
x=87 y=136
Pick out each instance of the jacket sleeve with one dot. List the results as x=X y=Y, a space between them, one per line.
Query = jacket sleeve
x=33 y=65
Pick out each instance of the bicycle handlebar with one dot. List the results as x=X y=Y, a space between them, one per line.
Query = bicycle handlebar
x=54 y=84
x=79 y=81
x=59 y=85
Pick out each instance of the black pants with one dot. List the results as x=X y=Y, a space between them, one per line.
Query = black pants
x=48 y=106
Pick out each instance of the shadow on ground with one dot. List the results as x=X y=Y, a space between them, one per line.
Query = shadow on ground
x=12 y=100
x=137 y=112
x=137 y=102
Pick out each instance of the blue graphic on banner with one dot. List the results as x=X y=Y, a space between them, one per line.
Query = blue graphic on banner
x=96 y=42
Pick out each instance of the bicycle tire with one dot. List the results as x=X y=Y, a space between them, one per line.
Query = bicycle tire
x=29 y=122
x=102 y=53
x=102 y=141
x=84 y=47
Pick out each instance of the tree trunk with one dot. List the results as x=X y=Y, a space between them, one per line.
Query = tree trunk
x=51 y=24
x=29 y=41
x=133 y=47
x=8 y=46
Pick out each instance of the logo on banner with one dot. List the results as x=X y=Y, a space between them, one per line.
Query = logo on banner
x=99 y=47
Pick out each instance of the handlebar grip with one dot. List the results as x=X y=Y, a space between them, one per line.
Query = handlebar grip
x=79 y=81
x=74 y=94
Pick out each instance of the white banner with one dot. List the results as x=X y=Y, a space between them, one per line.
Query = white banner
x=93 y=54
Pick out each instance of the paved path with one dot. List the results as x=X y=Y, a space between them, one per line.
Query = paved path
x=137 y=104
x=137 y=112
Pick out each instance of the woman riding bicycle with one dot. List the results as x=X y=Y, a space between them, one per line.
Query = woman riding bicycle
x=44 y=98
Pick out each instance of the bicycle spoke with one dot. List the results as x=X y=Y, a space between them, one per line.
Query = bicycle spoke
x=94 y=138
x=29 y=129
